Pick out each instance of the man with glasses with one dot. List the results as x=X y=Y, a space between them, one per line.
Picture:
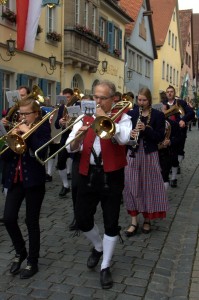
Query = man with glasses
x=101 y=178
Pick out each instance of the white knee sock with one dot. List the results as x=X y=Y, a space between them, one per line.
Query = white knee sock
x=166 y=185
x=109 y=244
x=50 y=166
x=180 y=159
x=63 y=175
x=94 y=237
x=174 y=173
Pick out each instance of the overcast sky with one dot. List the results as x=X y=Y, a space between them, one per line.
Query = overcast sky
x=189 y=4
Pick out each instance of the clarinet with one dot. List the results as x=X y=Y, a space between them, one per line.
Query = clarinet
x=134 y=142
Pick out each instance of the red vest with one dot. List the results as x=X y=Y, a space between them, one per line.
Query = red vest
x=113 y=155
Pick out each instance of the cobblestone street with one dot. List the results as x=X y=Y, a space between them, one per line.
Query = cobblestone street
x=161 y=265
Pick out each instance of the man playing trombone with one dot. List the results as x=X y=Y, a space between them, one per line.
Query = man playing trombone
x=101 y=178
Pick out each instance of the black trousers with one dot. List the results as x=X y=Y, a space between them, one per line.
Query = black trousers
x=34 y=197
x=105 y=188
x=75 y=176
x=63 y=155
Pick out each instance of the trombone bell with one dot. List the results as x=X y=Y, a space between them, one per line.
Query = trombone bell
x=104 y=127
x=16 y=143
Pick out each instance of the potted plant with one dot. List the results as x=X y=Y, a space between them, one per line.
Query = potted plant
x=54 y=36
x=104 y=45
x=117 y=52
x=9 y=15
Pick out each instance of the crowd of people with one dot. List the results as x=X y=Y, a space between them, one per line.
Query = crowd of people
x=132 y=164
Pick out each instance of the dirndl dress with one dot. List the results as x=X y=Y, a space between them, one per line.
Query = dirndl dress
x=144 y=190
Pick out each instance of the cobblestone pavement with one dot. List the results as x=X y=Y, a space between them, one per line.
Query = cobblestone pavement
x=161 y=265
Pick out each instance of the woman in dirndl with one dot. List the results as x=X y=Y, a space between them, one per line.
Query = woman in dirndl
x=144 y=190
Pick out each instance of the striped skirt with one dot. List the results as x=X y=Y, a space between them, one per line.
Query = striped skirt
x=144 y=190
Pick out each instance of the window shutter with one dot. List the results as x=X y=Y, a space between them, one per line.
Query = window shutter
x=58 y=88
x=110 y=36
x=120 y=40
x=43 y=85
x=22 y=79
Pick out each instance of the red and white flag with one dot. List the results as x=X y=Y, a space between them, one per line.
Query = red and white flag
x=28 y=14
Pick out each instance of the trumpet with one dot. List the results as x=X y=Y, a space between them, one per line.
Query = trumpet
x=103 y=126
x=16 y=142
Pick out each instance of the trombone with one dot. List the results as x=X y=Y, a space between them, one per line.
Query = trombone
x=16 y=142
x=103 y=126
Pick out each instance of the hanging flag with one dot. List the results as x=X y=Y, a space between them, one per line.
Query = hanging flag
x=28 y=14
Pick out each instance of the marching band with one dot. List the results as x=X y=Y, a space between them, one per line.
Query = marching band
x=116 y=147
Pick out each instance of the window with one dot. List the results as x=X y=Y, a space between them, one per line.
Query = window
x=169 y=37
x=31 y=82
x=132 y=60
x=75 y=83
x=174 y=76
x=163 y=70
x=86 y=13
x=139 y=64
x=51 y=18
x=147 y=68
x=5 y=88
x=116 y=38
x=171 y=71
x=77 y=9
x=174 y=16
x=172 y=40
x=177 y=75
x=167 y=74
x=189 y=61
x=176 y=43
x=49 y=89
x=94 y=18
x=103 y=32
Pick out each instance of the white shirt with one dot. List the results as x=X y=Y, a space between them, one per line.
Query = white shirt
x=121 y=136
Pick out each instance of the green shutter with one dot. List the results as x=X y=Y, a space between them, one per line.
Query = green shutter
x=58 y=88
x=1 y=92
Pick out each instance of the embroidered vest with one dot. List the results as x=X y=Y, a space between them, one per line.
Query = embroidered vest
x=113 y=155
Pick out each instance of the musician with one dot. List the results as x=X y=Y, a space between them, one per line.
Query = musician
x=182 y=121
x=25 y=179
x=144 y=190
x=63 y=156
x=167 y=150
x=101 y=179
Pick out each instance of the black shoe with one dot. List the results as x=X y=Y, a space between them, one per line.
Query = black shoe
x=179 y=170
x=94 y=258
x=173 y=183
x=69 y=176
x=17 y=263
x=29 y=271
x=64 y=191
x=106 y=279
x=131 y=233
x=73 y=225
x=48 y=178
x=144 y=230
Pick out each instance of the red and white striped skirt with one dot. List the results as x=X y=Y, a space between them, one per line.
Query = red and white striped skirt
x=144 y=190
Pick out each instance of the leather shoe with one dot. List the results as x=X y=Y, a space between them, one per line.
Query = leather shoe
x=29 y=271
x=48 y=178
x=73 y=225
x=17 y=263
x=173 y=183
x=64 y=191
x=94 y=258
x=106 y=278
x=131 y=233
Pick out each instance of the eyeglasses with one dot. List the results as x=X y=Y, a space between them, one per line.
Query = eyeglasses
x=26 y=113
x=95 y=97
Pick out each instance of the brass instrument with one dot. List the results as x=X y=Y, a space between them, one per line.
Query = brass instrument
x=175 y=109
x=76 y=97
x=16 y=142
x=103 y=126
x=167 y=134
